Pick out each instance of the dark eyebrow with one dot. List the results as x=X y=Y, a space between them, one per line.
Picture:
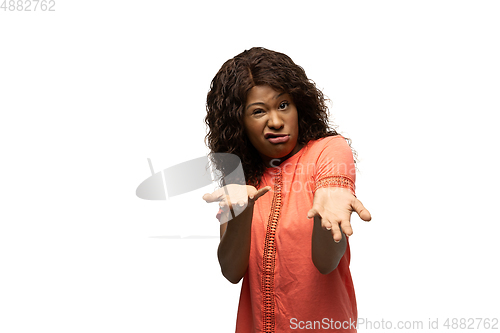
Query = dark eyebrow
x=260 y=103
x=277 y=96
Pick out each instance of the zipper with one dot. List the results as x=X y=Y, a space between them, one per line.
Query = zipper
x=269 y=256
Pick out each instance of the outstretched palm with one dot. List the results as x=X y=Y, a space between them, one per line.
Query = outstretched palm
x=235 y=197
x=334 y=205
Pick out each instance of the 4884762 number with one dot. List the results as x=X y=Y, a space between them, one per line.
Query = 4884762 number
x=28 y=5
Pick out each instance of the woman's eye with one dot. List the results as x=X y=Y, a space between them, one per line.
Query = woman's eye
x=257 y=111
x=283 y=105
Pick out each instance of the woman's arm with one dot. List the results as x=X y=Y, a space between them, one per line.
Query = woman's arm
x=333 y=203
x=238 y=202
x=332 y=209
x=234 y=246
x=326 y=253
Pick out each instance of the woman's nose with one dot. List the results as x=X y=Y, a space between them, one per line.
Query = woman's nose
x=275 y=121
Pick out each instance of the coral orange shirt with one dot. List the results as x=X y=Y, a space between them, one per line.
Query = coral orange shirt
x=282 y=290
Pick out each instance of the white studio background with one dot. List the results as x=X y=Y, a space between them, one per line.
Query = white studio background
x=90 y=91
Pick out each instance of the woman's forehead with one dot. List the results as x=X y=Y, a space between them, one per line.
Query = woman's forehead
x=265 y=90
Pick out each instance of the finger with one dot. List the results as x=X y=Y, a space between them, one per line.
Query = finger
x=240 y=206
x=223 y=204
x=207 y=197
x=346 y=227
x=363 y=213
x=337 y=234
x=230 y=206
x=260 y=193
x=228 y=201
x=326 y=224
x=313 y=212
x=212 y=197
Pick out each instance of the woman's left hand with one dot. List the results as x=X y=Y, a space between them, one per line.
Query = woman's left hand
x=334 y=206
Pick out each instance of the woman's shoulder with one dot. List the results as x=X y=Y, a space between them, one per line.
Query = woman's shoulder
x=327 y=147
x=321 y=143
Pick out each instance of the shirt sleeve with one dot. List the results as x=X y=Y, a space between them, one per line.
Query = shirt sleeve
x=335 y=164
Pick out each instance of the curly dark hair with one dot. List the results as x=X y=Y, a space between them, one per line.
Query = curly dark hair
x=227 y=98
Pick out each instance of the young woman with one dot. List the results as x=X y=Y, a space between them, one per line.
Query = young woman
x=262 y=107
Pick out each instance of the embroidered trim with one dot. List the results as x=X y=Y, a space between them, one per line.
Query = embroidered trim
x=336 y=181
x=268 y=261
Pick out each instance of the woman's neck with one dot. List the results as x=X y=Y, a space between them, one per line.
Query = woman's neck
x=275 y=162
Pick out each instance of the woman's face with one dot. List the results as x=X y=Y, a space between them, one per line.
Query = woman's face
x=271 y=124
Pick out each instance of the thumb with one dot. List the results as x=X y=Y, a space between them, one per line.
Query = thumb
x=363 y=213
x=312 y=213
x=260 y=193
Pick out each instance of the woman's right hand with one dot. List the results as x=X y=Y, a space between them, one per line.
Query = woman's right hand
x=236 y=197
